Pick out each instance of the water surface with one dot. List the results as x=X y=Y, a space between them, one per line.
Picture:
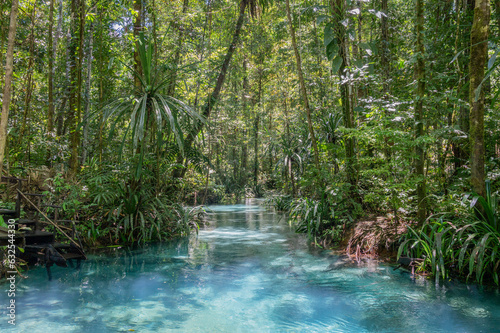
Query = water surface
x=246 y=272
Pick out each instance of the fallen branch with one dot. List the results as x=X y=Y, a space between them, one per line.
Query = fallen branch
x=51 y=222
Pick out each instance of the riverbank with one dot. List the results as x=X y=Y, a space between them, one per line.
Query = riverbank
x=374 y=237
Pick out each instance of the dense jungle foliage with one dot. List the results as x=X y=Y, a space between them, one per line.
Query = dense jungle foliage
x=126 y=111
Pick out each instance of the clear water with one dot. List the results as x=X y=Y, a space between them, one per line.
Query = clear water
x=247 y=272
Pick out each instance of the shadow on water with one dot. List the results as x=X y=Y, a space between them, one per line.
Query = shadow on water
x=245 y=272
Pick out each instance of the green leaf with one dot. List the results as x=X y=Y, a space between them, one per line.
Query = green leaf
x=321 y=18
x=336 y=63
x=329 y=34
x=332 y=50
x=491 y=62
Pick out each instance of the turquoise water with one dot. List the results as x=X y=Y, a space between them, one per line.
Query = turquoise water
x=246 y=272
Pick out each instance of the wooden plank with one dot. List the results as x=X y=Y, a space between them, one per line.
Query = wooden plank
x=7 y=212
x=68 y=256
x=11 y=180
x=51 y=206
x=39 y=237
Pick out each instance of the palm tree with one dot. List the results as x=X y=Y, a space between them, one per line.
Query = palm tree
x=147 y=111
x=151 y=118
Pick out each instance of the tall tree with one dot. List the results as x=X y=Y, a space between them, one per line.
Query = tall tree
x=28 y=83
x=465 y=16
x=50 y=76
x=302 y=83
x=75 y=97
x=342 y=60
x=86 y=116
x=9 y=71
x=419 y=113
x=384 y=51
x=478 y=58
x=178 y=51
x=137 y=31
x=214 y=95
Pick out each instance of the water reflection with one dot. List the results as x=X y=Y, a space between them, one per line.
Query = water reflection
x=246 y=272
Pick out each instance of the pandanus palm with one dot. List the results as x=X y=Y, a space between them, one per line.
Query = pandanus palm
x=147 y=112
x=151 y=119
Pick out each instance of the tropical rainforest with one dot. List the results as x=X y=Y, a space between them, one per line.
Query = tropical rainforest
x=134 y=114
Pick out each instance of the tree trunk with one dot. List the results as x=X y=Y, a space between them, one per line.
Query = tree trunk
x=101 y=68
x=28 y=84
x=303 y=91
x=386 y=70
x=478 y=58
x=256 y=131
x=214 y=96
x=419 y=125
x=75 y=98
x=177 y=56
x=137 y=30
x=244 y=102
x=288 y=166
x=50 y=113
x=87 y=95
x=384 y=51
x=65 y=91
x=338 y=8
x=2 y=36
x=9 y=70
x=201 y=50
x=50 y=78
x=465 y=16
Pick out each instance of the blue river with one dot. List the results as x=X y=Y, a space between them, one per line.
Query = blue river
x=247 y=271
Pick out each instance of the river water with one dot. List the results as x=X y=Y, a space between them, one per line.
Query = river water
x=245 y=272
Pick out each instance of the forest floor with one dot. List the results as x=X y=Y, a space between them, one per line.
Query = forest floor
x=374 y=237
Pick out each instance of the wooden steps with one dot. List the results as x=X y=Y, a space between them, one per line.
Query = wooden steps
x=40 y=245
x=39 y=237
x=8 y=213
x=4 y=237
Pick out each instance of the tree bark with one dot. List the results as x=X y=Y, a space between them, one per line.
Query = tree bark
x=9 y=70
x=419 y=125
x=478 y=58
x=303 y=91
